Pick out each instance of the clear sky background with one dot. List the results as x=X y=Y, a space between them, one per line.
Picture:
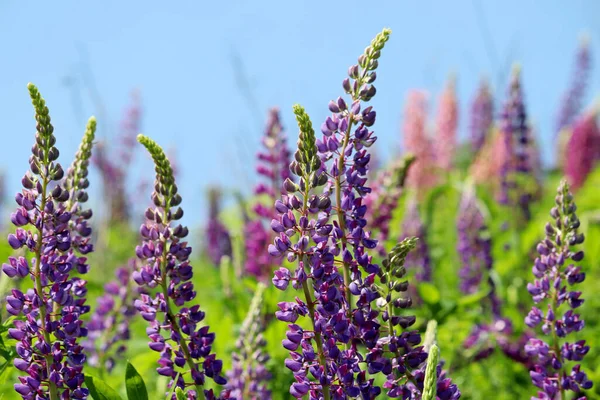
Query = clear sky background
x=208 y=71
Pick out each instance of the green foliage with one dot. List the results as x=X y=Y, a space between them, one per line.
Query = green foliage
x=136 y=388
x=99 y=390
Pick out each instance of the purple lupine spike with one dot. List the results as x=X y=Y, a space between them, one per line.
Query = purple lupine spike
x=447 y=123
x=249 y=376
x=573 y=98
x=218 y=240
x=475 y=249
x=274 y=161
x=108 y=328
x=383 y=199
x=419 y=259
x=583 y=149
x=482 y=116
x=175 y=329
x=516 y=163
x=557 y=369
x=52 y=225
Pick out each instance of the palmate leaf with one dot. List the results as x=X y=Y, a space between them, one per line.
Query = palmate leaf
x=136 y=388
x=99 y=390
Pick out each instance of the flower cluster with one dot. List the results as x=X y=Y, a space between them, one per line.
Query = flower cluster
x=109 y=324
x=174 y=330
x=249 y=376
x=482 y=116
x=383 y=199
x=447 y=123
x=218 y=240
x=53 y=227
x=419 y=259
x=585 y=142
x=555 y=274
x=274 y=163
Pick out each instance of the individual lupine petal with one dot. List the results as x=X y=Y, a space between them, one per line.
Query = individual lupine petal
x=549 y=372
x=188 y=345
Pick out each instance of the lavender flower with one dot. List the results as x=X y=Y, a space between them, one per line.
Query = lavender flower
x=218 y=243
x=273 y=165
x=555 y=274
x=418 y=260
x=516 y=165
x=475 y=249
x=174 y=329
x=331 y=255
x=109 y=324
x=447 y=122
x=49 y=333
x=482 y=116
x=383 y=199
x=583 y=149
x=248 y=377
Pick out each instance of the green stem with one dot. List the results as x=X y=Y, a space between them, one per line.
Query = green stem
x=556 y=345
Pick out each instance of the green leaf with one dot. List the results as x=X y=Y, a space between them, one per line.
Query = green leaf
x=429 y=293
x=99 y=390
x=136 y=388
x=179 y=393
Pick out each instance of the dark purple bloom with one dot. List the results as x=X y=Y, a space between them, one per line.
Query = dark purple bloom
x=52 y=225
x=175 y=328
x=556 y=272
x=218 y=240
x=482 y=116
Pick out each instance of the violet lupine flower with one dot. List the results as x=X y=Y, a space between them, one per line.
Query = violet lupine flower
x=109 y=325
x=174 y=326
x=516 y=165
x=556 y=273
x=49 y=333
x=114 y=169
x=572 y=100
x=475 y=249
x=416 y=142
x=274 y=161
x=331 y=255
x=383 y=199
x=482 y=116
x=419 y=259
x=583 y=149
x=447 y=123
x=218 y=240
x=249 y=376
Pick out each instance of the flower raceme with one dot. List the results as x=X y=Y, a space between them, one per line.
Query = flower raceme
x=53 y=227
x=174 y=325
x=556 y=273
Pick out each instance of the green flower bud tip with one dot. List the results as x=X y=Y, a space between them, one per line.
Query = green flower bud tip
x=44 y=127
x=430 y=335
x=307 y=147
x=164 y=172
x=430 y=383
x=77 y=172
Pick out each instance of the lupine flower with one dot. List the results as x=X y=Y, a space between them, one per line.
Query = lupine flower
x=109 y=325
x=248 y=377
x=218 y=240
x=447 y=123
x=482 y=116
x=556 y=273
x=52 y=225
x=383 y=199
x=486 y=166
x=114 y=169
x=331 y=255
x=174 y=325
x=273 y=165
x=516 y=164
x=583 y=149
x=475 y=249
x=419 y=259
x=416 y=141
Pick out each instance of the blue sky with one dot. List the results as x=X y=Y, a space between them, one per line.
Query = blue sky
x=187 y=58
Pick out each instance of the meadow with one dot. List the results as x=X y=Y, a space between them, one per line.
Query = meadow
x=452 y=270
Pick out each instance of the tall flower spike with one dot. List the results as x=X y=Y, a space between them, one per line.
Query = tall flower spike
x=583 y=149
x=249 y=376
x=419 y=259
x=52 y=226
x=482 y=116
x=447 y=123
x=556 y=272
x=273 y=166
x=331 y=255
x=175 y=331
x=218 y=240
